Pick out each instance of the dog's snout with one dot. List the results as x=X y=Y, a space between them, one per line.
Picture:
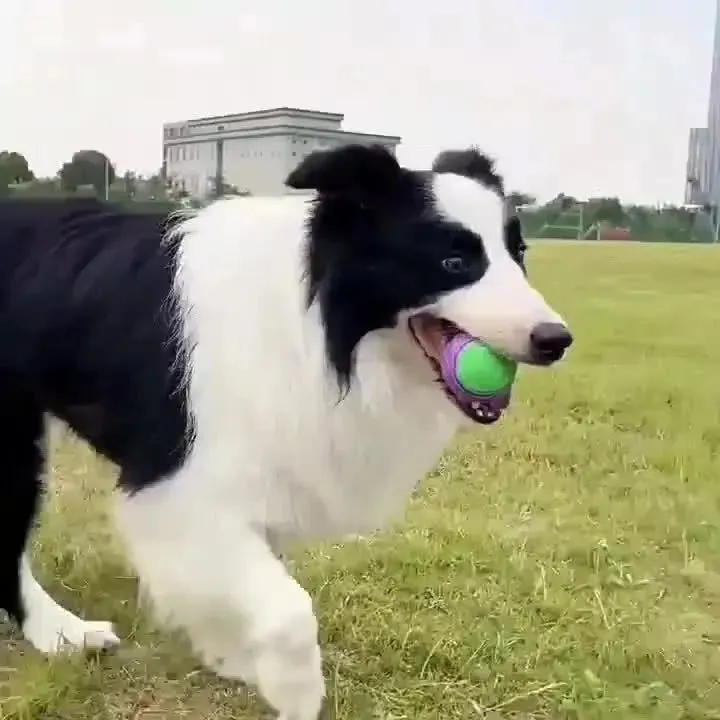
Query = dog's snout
x=549 y=341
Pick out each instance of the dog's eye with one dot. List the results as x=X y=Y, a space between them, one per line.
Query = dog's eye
x=454 y=264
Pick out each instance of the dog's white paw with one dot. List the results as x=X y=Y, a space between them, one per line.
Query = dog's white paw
x=288 y=668
x=62 y=632
x=51 y=629
x=281 y=657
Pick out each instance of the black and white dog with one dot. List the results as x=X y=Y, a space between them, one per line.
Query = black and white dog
x=261 y=371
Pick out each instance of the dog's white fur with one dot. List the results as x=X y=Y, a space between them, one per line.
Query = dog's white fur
x=275 y=454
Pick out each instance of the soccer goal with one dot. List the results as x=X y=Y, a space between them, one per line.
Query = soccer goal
x=567 y=223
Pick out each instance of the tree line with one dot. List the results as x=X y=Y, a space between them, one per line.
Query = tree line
x=91 y=171
x=607 y=218
x=86 y=168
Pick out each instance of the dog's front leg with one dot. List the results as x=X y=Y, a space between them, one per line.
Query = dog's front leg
x=280 y=652
x=244 y=614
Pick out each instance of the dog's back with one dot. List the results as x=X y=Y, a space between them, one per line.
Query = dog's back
x=83 y=287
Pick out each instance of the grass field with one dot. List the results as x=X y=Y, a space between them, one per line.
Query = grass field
x=565 y=564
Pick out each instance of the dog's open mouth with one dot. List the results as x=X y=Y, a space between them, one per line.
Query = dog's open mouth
x=432 y=335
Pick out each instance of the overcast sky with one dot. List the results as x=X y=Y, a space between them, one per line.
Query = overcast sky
x=583 y=96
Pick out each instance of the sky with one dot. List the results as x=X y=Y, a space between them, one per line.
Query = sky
x=577 y=96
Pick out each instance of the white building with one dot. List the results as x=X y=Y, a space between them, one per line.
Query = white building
x=254 y=151
x=712 y=142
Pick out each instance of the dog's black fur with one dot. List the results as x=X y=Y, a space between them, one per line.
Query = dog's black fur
x=387 y=261
x=85 y=334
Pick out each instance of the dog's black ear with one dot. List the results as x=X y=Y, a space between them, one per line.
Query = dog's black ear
x=361 y=171
x=473 y=164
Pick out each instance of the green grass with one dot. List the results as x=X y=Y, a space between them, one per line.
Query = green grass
x=563 y=565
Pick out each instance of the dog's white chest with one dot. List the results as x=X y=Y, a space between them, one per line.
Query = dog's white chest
x=358 y=474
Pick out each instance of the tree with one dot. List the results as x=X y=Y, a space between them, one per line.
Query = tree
x=563 y=201
x=608 y=210
x=520 y=198
x=39 y=187
x=175 y=189
x=14 y=169
x=131 y=183
x=155 y=187
x=87 y=167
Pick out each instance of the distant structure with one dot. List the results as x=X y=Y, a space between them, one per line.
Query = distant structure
x=702 y=181
x=713 y=136
x=251 y=152
x=697 y=186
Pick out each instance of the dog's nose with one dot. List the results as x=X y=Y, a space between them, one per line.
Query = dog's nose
x=549 y=341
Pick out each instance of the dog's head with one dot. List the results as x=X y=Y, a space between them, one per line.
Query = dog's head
x=422 y=252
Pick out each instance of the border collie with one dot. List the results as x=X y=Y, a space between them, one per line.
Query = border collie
x=263 y=370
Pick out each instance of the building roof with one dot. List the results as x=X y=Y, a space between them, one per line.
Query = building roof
x=277 y=130
x=259 y=113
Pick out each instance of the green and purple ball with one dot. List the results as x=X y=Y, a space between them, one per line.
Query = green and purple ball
x=477 y=375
